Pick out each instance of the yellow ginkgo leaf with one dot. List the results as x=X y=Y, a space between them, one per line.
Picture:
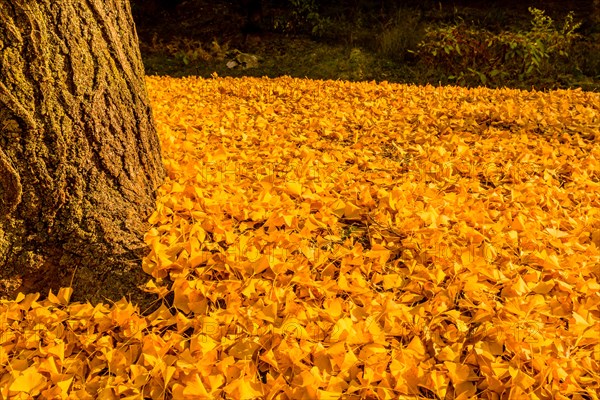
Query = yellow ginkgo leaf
x=28 y=381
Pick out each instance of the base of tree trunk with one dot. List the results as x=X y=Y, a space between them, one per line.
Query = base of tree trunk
x=80 y=159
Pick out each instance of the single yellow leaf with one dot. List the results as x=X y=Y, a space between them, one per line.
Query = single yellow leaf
x=29 y=381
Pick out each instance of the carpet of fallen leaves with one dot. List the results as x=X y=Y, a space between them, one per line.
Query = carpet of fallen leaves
x=327 y=240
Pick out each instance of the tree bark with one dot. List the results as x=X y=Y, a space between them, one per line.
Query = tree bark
x=79 y=156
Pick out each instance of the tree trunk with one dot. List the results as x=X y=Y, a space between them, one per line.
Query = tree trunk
x=79 y=156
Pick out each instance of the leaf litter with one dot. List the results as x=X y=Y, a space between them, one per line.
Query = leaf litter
x=330 y=239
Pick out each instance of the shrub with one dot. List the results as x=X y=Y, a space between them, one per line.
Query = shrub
x=475 y=56
x=304 y=18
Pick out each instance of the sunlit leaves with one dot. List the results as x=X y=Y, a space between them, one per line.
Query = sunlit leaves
x=324 y=240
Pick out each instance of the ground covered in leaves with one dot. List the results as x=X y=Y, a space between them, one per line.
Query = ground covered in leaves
x=327 y=240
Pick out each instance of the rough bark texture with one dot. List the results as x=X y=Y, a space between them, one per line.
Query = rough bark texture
x=79 y=155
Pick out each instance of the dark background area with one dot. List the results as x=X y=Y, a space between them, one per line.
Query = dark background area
x=372 y=40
